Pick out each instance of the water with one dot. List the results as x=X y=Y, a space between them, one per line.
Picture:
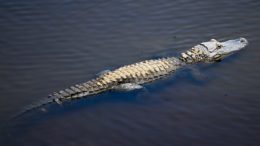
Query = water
x=49 y=45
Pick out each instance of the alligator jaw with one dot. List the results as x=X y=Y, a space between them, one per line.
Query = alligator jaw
x=231 y=46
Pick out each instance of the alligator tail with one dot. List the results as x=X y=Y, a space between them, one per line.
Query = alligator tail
x=37 y=105
x=74 y=92
x=80 y=90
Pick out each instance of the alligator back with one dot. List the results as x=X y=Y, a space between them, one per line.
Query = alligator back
x=138 y=73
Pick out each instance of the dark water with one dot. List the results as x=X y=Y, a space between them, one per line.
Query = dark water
x=51 y=44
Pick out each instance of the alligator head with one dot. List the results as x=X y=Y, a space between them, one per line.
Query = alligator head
x=213 y=50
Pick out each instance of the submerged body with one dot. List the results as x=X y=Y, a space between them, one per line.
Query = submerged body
x=132 y=76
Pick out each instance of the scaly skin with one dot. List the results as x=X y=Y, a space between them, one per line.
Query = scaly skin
x=146 y=71
x=150 y=70
x=138 y=73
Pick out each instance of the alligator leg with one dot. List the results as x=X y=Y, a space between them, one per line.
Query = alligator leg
x=127 y=87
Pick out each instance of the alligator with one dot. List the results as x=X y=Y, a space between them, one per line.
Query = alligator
x=132 y=77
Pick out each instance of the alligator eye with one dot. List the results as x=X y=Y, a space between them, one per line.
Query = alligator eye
x=219 y=46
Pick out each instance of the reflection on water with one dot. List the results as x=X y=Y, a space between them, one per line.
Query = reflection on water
x=49 y=45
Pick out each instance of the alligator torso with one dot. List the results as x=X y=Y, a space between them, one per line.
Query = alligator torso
x=134 y=74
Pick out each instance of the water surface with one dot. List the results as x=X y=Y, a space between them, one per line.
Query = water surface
x=52 y=44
